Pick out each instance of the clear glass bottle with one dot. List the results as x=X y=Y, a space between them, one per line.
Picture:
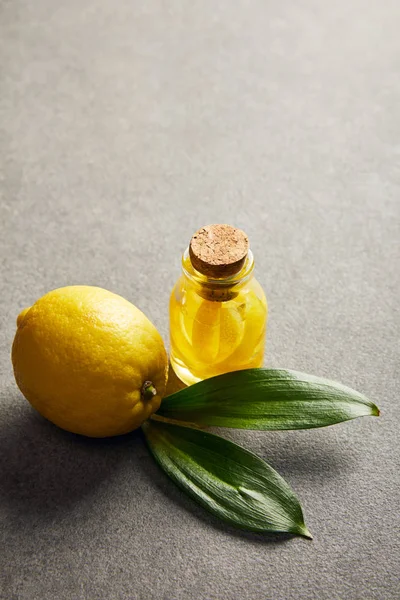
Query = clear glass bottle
x=218 y=316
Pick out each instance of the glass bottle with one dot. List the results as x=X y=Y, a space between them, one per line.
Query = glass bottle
x=218 y=310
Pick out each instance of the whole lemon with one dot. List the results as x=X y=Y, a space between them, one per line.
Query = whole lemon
x=89 y=361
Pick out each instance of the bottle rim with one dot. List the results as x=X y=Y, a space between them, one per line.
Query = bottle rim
x=224 y=282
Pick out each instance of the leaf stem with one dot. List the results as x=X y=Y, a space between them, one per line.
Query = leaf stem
x=156 y=417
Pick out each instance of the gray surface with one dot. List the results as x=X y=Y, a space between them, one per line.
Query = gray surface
x=124 y=127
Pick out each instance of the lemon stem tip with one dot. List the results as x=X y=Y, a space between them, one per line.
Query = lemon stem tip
x=148 y=390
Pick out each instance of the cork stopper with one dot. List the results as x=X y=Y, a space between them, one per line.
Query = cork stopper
x=218 y=250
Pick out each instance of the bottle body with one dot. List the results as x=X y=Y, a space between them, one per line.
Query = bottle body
x=216 y=325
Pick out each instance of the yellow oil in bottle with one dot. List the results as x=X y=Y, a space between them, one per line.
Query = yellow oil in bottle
x=216 y=324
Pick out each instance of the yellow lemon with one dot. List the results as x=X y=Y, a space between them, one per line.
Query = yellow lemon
x=253 y=311
x=206 y=331
x=89 y=361
x=217 y=331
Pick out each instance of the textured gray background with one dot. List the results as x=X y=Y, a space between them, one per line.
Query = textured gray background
x=125 y=126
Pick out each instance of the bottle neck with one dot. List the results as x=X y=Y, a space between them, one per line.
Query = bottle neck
x=218 y=290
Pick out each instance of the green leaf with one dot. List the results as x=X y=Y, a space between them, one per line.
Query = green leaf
x=266 y=399
x=230 y=482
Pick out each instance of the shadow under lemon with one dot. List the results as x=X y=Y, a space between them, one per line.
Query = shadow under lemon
x=44 y=469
